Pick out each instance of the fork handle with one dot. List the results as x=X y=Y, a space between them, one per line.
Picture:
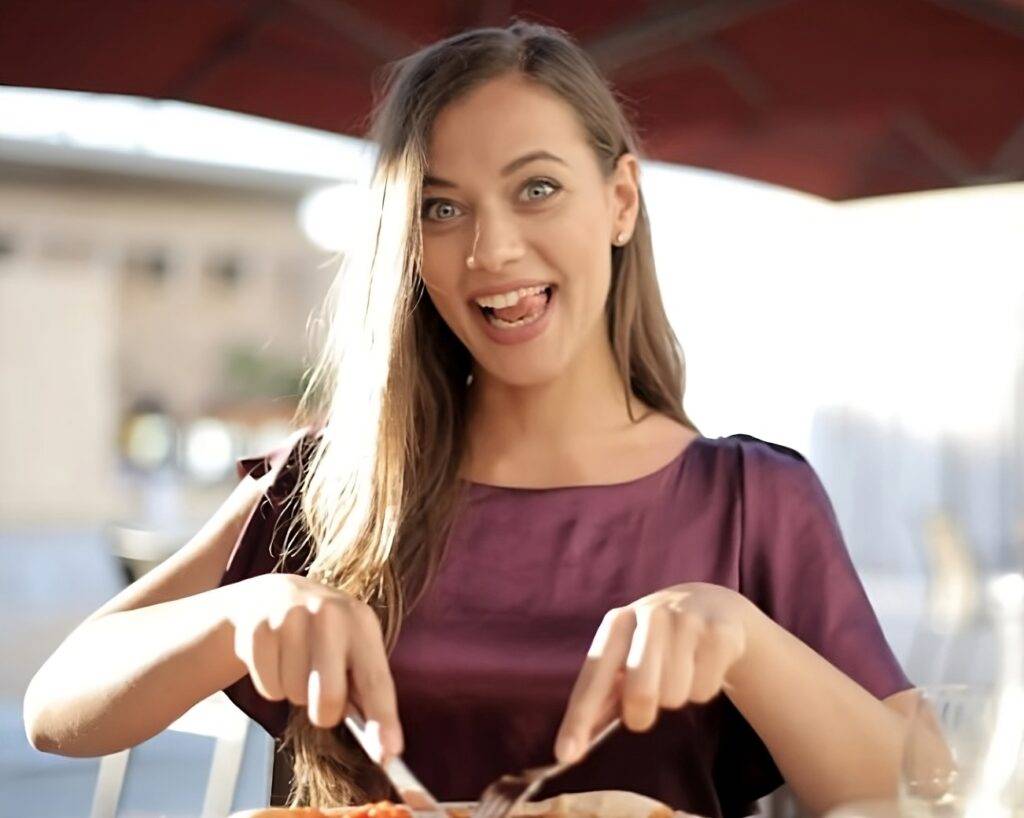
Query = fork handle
x=605 y=731
x=598 y=737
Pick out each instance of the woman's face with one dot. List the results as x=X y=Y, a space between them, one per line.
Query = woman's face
x=514 y=198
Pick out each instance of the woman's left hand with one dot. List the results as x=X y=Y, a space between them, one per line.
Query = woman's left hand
x=671 y=647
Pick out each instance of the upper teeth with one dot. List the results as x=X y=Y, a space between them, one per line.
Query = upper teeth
x=509 y=299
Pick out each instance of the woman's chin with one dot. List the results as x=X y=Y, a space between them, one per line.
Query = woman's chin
x=523 y=373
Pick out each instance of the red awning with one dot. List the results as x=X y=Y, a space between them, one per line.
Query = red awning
x=841 y=98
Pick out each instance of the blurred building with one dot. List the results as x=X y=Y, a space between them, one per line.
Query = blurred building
x=129 y=289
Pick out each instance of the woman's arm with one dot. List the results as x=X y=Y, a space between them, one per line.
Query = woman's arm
x=146 y=656
x=122 y=678
x=832 y=740
x=170 y=640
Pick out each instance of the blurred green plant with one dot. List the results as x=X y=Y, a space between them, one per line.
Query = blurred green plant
x=251 y=373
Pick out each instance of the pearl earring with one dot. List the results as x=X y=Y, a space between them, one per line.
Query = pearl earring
x=620 y=239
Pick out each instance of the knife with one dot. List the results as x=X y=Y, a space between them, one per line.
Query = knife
x=409 y=789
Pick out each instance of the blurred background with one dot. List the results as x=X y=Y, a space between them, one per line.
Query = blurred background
x=837 y=197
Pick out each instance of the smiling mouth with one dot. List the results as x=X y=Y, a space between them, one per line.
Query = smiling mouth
x=489 y=314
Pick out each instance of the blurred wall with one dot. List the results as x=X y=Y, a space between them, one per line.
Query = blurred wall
x=122 y=292
x=59 y=412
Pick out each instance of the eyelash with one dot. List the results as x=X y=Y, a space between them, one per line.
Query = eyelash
x=555 y=187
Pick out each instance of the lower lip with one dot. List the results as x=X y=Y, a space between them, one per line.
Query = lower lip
x=518 y=335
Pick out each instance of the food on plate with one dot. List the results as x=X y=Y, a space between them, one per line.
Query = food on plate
x=380 y=809
x=595 y=804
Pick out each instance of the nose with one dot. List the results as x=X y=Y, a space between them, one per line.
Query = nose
x=497 y=242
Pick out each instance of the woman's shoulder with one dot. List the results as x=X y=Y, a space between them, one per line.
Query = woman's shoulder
x=753 y=452
x=767 y=451
x=765 y=468
x=285 y=457
x=269 y=535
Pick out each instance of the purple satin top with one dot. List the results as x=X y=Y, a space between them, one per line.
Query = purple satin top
x=485 y=663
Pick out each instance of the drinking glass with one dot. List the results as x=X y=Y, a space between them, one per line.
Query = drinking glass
x=962 y=754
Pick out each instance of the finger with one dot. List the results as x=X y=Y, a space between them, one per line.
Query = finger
x=595 y=684
x=264 y=669
x=328 y=675
x=716 y=651
x=294 y=654
x=677 y=670
x=612 y=706
x=641 y=695
x=371 y=677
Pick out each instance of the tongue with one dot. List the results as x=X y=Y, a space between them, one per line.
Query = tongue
x=529 y=306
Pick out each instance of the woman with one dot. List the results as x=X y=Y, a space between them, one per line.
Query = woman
x=496 y=525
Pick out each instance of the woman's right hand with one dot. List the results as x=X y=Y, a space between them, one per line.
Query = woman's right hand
x=302 y=641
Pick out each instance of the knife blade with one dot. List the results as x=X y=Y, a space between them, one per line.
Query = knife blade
x=408 y=787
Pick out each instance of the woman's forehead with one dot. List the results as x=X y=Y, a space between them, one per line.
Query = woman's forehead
x=497 y=123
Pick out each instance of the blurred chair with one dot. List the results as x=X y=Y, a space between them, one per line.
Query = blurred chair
x=139 y=550
x=216 y=717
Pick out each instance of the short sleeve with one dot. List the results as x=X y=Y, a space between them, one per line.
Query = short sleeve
x=795 y=566
x=258 y=550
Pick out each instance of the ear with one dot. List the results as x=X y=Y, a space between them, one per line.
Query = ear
x=625 y=182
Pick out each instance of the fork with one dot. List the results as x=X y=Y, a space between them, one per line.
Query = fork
x=502 y=796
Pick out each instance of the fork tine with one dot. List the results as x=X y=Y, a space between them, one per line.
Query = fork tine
x=497 y=801
x=494 y=807
x=504 y=795
x=501 y=807
x=484 y=806
x=501 y=797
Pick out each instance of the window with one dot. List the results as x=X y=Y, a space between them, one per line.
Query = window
x=225 y=271
x=150 y=264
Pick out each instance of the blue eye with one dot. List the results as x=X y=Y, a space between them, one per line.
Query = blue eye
x=427 y=205
x=534 y=184
x=435 y=205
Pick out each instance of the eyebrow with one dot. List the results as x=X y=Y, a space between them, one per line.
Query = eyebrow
x=515 y=164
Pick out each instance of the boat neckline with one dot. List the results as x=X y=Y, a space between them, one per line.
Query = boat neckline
x=677 y=460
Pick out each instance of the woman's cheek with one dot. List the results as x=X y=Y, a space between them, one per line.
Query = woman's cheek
x=438 y=276
x=445 y=306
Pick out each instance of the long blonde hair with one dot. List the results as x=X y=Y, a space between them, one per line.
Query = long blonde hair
x=379 y=488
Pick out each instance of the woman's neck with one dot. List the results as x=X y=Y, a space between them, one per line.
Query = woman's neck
x=571 y=430
x=586 y=401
